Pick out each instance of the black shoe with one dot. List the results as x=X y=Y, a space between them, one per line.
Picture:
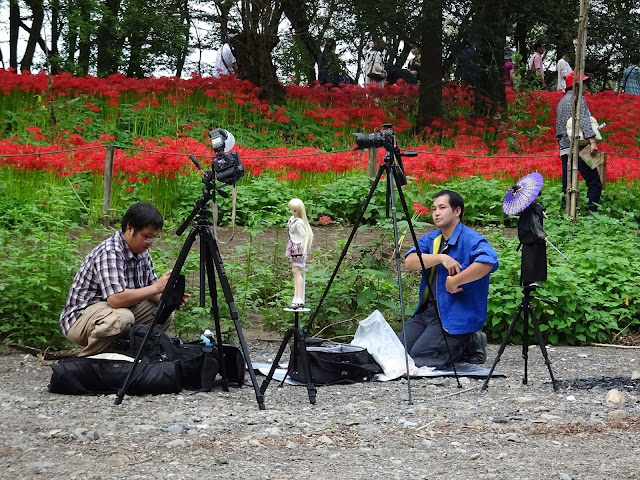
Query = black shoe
x=476 y=350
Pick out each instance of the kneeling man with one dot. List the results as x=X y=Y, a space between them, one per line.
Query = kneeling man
x=116 y=285
x=458 y=262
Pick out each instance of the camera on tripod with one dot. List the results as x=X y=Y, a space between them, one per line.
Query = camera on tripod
x=385 y=138
x=226 y=164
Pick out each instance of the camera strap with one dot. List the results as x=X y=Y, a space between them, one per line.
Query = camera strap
x=214 y=213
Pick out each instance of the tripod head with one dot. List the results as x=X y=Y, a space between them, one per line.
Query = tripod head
x=385 y=138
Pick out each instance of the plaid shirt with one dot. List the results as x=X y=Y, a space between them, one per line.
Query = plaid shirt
x=110 y=268
x=631 y=80
x=564 y=114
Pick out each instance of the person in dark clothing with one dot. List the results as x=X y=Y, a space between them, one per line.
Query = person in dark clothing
x=533 y=265
x=394 y=74
x=330 y=68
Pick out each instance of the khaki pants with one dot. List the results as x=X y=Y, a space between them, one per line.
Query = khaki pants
x=99 y=325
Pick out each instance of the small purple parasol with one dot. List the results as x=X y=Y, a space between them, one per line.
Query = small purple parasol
x=522 y=194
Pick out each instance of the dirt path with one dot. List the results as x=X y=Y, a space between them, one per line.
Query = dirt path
x=354 y=431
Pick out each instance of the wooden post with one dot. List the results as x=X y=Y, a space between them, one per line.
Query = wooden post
x=108 y=184
x=602 y=169
x=372 y=163
x=578 y=89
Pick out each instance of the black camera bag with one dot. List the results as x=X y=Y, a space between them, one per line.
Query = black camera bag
x=93 y=376
x=333 y=363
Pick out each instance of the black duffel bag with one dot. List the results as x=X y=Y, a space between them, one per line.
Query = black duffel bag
x=333 y=363
x=94 y=376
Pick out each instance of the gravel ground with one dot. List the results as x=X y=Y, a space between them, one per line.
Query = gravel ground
x=357 y=431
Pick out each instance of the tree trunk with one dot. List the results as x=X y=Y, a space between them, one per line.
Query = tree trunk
x=185 y=17
x=54 y=54
x=14 y=31
x=108 y=43
x=37 y=10
x=488 y=36
x=430 y=102
x=84 y=46
x=296 y=12
x=253 y=46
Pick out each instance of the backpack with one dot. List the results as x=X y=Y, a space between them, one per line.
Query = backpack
x=333 y=363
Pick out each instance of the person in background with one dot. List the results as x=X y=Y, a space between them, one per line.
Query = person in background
x=535 y=63
x=330 y=68
x=509 y=68
x=225 y=61
x=563 y=69
x=458 y=262
x=416 y=62
x=374 y=66
x=631 y=77
x=563 y=114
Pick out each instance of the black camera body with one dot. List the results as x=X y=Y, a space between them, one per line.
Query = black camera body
x=228 y=167
x=382 y=139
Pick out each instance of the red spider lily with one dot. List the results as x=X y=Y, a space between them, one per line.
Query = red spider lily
x=324 y=220
x=420 y=209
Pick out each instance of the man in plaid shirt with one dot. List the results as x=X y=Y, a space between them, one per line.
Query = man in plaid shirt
x=116 y=285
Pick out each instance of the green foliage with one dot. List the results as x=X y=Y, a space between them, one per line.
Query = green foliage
x=596 y=293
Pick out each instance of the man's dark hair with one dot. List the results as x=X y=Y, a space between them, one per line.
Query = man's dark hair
x=142 y=215
x=455 y=199
x=537 y=45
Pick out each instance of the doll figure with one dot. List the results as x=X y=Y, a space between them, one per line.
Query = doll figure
x=298 y=248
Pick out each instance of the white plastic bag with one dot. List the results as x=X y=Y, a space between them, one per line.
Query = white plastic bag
x=377 y=336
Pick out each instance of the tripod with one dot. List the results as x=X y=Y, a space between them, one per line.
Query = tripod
x=210 y=258
x=393 y=169
x=526 y=309
x=299 y=352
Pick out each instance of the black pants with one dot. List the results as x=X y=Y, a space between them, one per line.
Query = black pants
x=590 y=175
x=425 y=343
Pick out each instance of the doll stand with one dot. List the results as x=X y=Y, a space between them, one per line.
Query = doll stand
x=299 y=347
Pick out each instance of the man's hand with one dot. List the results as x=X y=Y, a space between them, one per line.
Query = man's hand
x=593 y=145
x=184 y=300
x=452 y=265
x=452 y=286
x=161 y=284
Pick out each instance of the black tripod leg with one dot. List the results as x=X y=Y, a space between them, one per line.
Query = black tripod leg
x=346 y=247
x=543 y=349
x=205 y=257
x=172 y=280
x=391 y=176
x=276 y=361
x=299 y=339
x=228 y=295
x=415 y=243
x=512 y=327
x=525 y=341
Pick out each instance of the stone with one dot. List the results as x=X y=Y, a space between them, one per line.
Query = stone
x=618 y=415
x=615 y=396
x=635 y=375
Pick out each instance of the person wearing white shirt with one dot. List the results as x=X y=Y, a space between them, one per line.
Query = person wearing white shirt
x=225 y=61
x=563 y=69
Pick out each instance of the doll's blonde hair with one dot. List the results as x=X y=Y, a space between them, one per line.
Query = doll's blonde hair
x=296 y=205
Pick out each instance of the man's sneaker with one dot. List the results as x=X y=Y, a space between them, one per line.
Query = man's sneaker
x=476 y=350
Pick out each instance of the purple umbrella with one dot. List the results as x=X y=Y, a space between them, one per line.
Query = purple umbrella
x=522 y=194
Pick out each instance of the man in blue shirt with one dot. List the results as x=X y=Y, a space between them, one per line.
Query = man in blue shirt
x=458 y=262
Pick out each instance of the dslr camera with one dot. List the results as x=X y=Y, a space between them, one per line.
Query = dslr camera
x=383 y=138
x=226 y=164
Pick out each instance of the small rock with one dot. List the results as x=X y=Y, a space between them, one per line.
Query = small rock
x=565 y=476
x=525 y=399
x=541 y=408
x=618 y=415
x=615 y=396
x=326 y=440
x=571 y=398
x=475 y=456
x=635 y=375
x=176 y=443
x=222 y=461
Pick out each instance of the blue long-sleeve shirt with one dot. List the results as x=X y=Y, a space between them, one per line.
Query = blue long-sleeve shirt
x=462 y=312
